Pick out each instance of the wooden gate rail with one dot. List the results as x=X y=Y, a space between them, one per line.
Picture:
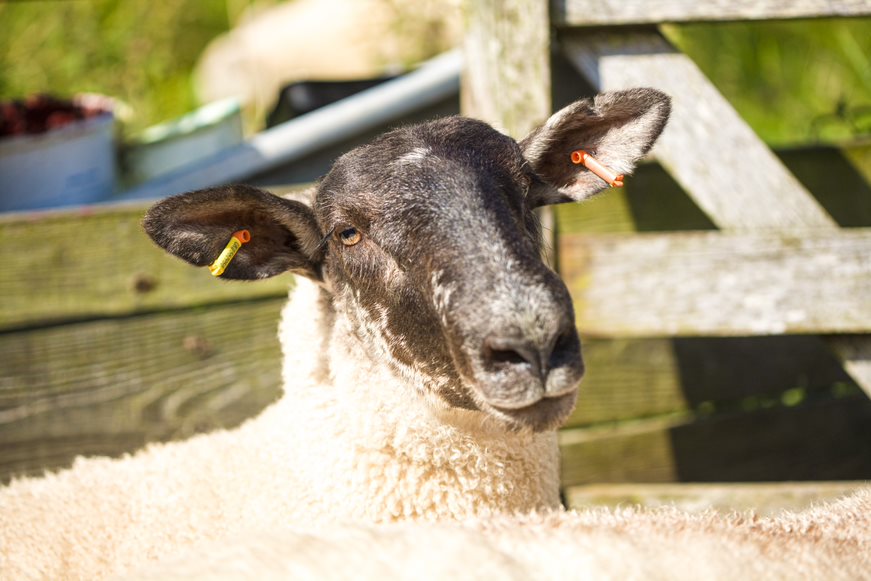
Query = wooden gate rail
x=719 y=284
x=585 y=13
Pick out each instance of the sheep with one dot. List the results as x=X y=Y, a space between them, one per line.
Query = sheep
x=278 y=44
x=429 y=352
x=827 y=542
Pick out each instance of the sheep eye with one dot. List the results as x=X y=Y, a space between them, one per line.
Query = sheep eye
x=350 y=236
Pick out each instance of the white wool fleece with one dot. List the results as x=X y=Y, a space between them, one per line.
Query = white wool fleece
x=358 y=446
x=831 y=542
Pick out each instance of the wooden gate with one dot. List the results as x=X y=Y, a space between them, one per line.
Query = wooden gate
x=702 y=349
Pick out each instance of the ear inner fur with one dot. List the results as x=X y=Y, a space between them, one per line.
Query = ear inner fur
x=195 y=227
x=618 y=128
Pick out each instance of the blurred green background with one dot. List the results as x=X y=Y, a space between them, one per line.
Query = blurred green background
x=139 y=51
x=794 y=82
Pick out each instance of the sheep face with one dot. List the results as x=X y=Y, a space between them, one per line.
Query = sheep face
x=434 y=254
x=427 y=243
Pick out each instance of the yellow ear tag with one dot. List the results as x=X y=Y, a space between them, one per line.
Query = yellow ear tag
x=238 y=238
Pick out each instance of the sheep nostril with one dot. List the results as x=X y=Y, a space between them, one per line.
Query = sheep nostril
x=565 y=350
x=502 y=352
x=507 y=356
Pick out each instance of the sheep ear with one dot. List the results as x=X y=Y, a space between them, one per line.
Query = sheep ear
x=617 y=128
x=197 y=226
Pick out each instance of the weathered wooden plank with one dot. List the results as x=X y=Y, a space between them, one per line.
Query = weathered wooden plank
x=828 y=440
x=765 y=499
x=719 y=284
x=709 y=149
x=628 y=379
x=110 y=386
x=633 y=12
x=99 y=262
x=630 y=453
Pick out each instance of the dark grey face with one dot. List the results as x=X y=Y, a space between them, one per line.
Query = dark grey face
x=427 y=243
x=445 y=269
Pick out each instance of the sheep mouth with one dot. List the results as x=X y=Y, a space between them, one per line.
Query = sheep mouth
x=547 y=413
x=524 y=399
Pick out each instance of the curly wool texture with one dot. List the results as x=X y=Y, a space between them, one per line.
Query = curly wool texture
x=357 y=446
x=827 y=542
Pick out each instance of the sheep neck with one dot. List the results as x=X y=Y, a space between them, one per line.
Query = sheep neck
x=407 y=455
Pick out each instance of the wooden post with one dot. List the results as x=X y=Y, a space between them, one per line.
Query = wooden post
x=506 y=79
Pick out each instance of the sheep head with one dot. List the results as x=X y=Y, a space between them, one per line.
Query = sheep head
x=426 y=241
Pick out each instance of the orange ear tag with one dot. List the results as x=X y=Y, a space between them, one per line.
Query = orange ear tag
x=238 y=238
x=579 y=156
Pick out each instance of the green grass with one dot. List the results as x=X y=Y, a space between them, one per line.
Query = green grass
x=794 y=82
x=139 y=51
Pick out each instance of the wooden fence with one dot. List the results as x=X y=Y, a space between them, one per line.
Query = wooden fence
x=731 y=409
x=702 y=295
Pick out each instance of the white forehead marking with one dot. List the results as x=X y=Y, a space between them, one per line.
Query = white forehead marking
x=414 y=157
